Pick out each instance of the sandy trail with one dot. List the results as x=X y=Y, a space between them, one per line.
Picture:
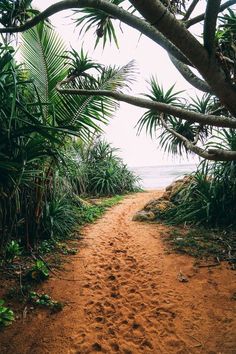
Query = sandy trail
x=126 y=297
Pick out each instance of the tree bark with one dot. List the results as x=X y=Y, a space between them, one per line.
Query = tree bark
x=158 y=15
x=154 y=105
x=190 y=76
x=210 y=154
x=190 y=10
x=165 y=22
x=115 y=11
x=200 y=18
x=209 y=28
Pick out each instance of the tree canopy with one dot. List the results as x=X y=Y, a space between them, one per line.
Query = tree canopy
x=206 y=62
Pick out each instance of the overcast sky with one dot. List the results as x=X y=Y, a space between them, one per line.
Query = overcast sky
x=151 y=60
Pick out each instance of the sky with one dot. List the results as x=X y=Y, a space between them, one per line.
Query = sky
x=150 y=60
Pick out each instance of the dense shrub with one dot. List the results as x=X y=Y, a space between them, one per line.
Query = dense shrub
x=39 y=170
x=210 y=196
x=101 y=172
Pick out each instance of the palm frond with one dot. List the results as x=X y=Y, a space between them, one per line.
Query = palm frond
x=82 y=111
x=150 y=120
x=102 y=22
x=42 y=51
x=172 y=144
x=204 y=104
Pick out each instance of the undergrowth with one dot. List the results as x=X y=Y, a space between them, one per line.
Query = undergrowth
x=89 y=213
x=203 y=243
x=21 y=273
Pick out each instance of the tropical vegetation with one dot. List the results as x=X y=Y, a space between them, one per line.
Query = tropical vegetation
x=43 y=136
x=208 y=199
x=101 y=172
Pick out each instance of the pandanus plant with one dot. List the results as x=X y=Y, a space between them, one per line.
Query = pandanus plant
x=37 y=126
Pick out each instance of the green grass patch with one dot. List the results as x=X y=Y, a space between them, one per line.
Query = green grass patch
x=91 y=212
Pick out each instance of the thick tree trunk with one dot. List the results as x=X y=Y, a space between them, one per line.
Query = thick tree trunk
x=157 y=14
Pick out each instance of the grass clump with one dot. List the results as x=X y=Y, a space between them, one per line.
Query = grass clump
x=203 y=243
x=89 y=213
x=101 y=172
x=12 y=251
x=6 y=315
x=44 y=300
x=209 y=199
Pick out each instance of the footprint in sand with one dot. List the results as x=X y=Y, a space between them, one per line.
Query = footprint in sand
x=131 y=302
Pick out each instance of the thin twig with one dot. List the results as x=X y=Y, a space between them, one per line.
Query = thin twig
x=197 y=340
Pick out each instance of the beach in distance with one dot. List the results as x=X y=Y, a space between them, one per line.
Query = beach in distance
x=159 y=177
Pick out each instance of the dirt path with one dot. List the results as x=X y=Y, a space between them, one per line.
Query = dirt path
x=126 y=297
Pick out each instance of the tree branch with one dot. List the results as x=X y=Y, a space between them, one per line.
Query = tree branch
x=211 y=154
x=160 y=18
x=190 y=76
x=157 y=106
x=190 y=10
x=200 y=18
x=169 y=27
x=212 y=10
x=158 y=15
x=223 y=155
x=115 y=11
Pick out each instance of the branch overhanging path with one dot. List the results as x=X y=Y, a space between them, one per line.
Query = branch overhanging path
x=160 y=18
x=190 y=116
x=115 y=11
x=184 y=49
x=210 y=154
x=193 y=117
x=171 y=34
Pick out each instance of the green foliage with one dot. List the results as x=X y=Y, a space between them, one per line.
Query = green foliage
x=14 y=12
x=44 y=300
x=202 y=243
x=204 y=104
x=79 y=63
x=59 y=216
x=38 y=165
x=6 y=315
x=102 y=172
x=24 y=142
x=151 y=119
x=172 y=144
x=90 y=18
x=152 y=123
x=90 y=212
x=42 y=50
x=225 y=42
x=210 y=197
x=12 y=251
x=47 y=246
x=107 y=203
x=38 y=273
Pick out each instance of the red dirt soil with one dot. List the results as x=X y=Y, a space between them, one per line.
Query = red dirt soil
x=126 y=297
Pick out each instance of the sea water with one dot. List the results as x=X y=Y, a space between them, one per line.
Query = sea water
x=159 y=177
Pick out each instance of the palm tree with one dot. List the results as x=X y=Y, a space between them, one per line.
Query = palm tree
x=46 y=57
x=36 y=127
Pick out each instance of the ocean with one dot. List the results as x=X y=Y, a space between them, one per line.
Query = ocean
x=159 y=177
